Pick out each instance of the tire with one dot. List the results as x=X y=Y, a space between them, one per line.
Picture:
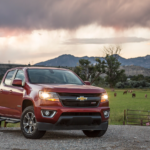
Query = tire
x=95 y=133
x=28 y=124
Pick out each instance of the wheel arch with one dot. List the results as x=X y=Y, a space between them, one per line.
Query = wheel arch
x=26 y=103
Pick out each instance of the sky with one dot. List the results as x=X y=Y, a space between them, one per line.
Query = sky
x=32 y=31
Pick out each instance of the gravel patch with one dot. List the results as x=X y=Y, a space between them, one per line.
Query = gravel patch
x=116 y=138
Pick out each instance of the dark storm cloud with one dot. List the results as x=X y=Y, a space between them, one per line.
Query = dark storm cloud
x=118 y=40
x=71 y=14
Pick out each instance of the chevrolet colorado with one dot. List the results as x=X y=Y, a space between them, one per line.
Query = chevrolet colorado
x=45 y=98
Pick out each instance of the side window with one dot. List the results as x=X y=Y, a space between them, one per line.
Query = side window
x=20 y=75
x=9 y=77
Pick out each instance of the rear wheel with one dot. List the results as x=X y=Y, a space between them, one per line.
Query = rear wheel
x=95 y=133
x=28 y=124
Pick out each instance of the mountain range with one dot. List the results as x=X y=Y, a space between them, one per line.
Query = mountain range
x=72 y=61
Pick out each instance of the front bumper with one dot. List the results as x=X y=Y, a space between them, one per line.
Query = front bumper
x=74 y=123
x=60 y=110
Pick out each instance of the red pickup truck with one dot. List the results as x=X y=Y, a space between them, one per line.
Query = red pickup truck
x=45 y=98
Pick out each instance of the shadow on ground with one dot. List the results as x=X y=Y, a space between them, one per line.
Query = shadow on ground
x=50 y=134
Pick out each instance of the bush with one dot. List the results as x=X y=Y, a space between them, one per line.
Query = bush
x=147 y=84
x=120 y=85
x=133 y=84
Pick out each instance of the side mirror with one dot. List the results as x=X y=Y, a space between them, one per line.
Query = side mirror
x=87 y=82
x=17 y=82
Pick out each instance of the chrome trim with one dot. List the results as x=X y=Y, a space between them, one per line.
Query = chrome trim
x=53 y=114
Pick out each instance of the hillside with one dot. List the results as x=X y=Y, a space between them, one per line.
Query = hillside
x=65 y=60
x=135 y=70
x=72 y=61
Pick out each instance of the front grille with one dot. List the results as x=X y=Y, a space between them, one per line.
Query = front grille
x=70 y=99
x=80 y=103
x=80 y=114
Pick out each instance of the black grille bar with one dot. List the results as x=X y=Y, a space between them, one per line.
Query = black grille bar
x=80 y=103
x=80 y=114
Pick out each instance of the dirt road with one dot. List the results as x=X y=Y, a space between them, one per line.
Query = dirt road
x=116 y=138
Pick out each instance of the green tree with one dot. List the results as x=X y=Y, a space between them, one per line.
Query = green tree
x=89 y=72
x=113 y=71
x=139 y=77
x=123 y=78
x=147 y=78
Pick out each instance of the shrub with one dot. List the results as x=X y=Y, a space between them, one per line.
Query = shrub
x=120 y=85
x=133 y=84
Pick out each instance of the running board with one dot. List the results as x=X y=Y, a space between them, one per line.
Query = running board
x=2 y=119
x=9 y=120
x=12 y=121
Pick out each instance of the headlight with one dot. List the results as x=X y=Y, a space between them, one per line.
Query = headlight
x=104 y=97
x=51 y=96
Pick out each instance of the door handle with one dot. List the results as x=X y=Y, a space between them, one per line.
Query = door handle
x=10 y=91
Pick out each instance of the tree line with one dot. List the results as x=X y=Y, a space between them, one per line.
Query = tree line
x=138 y=81
x=109 y=65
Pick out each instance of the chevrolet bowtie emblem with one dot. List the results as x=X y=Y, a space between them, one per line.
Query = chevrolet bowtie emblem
x=81 y=98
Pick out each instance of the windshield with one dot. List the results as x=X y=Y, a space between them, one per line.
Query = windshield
x=52 y=76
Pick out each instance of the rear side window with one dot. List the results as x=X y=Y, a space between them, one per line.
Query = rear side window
x=9 y=77
x=20 y=75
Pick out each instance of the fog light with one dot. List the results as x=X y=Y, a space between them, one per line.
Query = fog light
x=48 y=113
x=106 y=114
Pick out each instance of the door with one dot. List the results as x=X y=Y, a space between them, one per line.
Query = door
x=16 y=96
x=4 y=93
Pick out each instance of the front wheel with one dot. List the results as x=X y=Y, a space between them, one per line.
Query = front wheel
x=94 y=133
x=29 y=126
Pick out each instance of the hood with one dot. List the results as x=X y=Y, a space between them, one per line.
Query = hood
x=71 y=88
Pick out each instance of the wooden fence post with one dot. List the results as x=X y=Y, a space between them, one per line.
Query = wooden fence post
x=141 y=122
x=5 y=123
x=124 y=122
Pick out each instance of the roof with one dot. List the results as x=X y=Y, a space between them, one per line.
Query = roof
x=38 y=68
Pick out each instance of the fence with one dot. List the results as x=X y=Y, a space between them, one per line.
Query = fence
x=136 y=117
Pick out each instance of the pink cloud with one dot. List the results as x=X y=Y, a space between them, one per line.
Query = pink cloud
x=66 y=14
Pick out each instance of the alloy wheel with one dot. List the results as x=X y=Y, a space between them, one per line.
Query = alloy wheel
x=29 y=123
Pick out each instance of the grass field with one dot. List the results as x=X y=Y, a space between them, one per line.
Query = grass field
x=120 y=103
x=123 y=102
